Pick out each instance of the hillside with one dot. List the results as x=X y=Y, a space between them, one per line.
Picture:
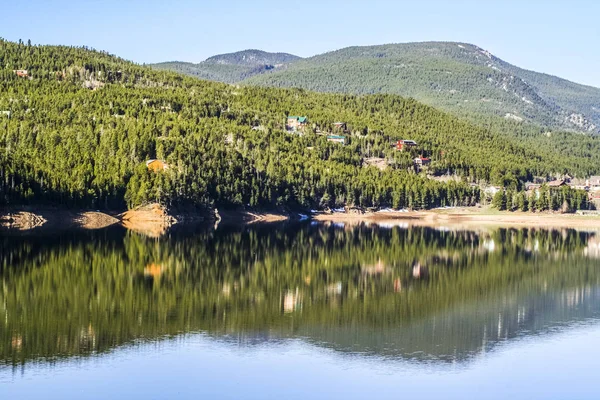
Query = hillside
x=232 y=67
x=78 y=126
x=458 y=77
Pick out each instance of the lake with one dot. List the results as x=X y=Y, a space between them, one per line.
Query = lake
x=300 y=310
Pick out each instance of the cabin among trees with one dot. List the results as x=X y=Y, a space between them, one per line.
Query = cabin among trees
x=594 y=183
x=156 y=165
x=421 y=162
x=402 y=145
x=336 y=139
x=295 y=123
x=21 y=73
x=557 y=183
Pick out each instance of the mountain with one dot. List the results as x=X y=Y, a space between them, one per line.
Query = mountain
x=252 y=58
x=232 y=67
x=457 y=77
x=77 y=128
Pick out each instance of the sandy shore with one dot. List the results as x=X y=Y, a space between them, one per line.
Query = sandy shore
x=468 y=217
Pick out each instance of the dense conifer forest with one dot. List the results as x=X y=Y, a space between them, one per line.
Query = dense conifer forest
x=78 y=128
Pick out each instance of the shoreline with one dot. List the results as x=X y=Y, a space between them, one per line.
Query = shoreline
x=154 y=220
x=467 y=217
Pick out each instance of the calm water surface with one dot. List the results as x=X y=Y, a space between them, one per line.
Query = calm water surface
x=301 y=311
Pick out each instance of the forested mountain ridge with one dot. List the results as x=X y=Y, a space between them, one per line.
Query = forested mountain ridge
x=457 y=77
x=78 y=126
x=232 y=67
x=252 y=58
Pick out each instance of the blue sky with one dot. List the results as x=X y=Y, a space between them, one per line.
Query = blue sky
x=557 y=37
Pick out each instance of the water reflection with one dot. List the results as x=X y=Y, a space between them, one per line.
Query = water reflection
x=421 y=294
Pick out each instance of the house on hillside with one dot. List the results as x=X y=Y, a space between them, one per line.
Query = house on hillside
x=556 y=183
x=579 y=184
x=421 y=162
x=402 y=145
x=406 y=144
x=295 y=123
x=336 y=139
x=21 y=73
x=157 y=165
x=492 y=190
x=594 y=183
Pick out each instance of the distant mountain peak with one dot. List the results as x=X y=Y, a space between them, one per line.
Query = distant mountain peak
x=232 y=67
x=252 y=58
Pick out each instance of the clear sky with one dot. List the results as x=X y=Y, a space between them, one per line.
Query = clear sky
x=557 y=37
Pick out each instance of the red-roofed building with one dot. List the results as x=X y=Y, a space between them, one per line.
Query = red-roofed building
x=422 y=161
x=402 y=145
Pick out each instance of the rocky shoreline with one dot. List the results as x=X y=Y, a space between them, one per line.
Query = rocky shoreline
x=151 y=220
x=155 y=220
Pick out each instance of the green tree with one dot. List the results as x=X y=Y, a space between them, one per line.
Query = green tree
x=499 y=200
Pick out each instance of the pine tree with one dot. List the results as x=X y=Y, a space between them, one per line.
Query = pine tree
x=499 y=200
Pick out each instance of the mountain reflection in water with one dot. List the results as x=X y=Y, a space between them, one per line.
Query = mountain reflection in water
x=420 y=294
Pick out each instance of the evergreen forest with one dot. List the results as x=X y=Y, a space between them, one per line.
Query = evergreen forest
x=78 y=128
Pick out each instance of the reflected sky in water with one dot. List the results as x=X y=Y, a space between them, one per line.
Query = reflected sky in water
x=558 y=366
x=301 y=311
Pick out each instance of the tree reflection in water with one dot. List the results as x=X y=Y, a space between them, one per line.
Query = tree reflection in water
x=418 y=293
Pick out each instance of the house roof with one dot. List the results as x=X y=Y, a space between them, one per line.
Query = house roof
x=408 y=141
x=556 y=183
x=336 y=137
x=300 y=119
x=577 y=182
